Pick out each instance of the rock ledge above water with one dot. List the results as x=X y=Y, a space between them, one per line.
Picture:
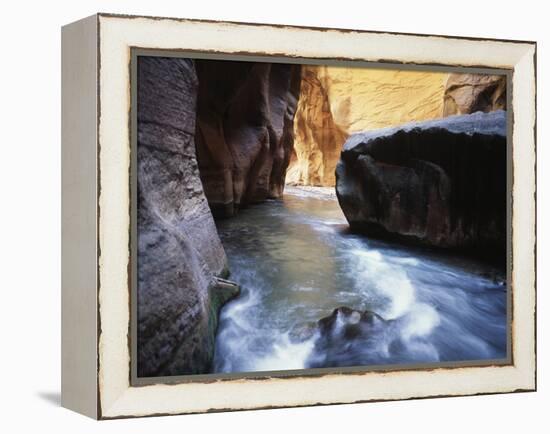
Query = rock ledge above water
x=439 y=183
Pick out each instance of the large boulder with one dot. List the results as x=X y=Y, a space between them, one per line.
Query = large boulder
x=336 y=102
x=180 y=257
x=469 y=93
x=244 y=137
x=440 y=183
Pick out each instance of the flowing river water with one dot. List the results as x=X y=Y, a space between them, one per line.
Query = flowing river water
x=296 y=262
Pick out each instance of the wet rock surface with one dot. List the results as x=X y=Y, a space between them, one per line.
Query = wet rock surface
x=180 y=254
x=440 y=183
x=245 y=115
x=341 y=335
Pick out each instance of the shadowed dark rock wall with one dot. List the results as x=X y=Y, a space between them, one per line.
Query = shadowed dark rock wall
x=244 y=128
x=179 y=253
x=440 y=183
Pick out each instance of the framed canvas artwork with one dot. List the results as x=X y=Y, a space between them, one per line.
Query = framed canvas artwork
x=260 y=216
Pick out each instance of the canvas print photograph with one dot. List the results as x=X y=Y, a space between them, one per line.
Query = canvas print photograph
x=295 y=217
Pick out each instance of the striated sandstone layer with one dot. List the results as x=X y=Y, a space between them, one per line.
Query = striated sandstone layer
x=317 y=135
x=338 y=101
x=469 y=93
x=180 y=256
x=439 y=183
x=244 y=130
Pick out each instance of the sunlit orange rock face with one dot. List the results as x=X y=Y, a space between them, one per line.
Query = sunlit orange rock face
x=469 y=93
x=438 y=183
x=338 y=101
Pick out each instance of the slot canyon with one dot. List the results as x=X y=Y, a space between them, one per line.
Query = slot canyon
x=287 y=215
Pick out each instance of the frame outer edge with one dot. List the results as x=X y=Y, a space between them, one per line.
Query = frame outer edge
x=114 y=410
x=79 y=96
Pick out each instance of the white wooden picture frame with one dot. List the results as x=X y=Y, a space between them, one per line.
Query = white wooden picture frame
x=96 y=213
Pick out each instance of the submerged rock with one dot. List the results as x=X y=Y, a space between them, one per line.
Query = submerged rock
x=342 y=323
x=440 y=183
x=342 y=336
x=317 y=136
x=245 y=115
x=180 y=255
